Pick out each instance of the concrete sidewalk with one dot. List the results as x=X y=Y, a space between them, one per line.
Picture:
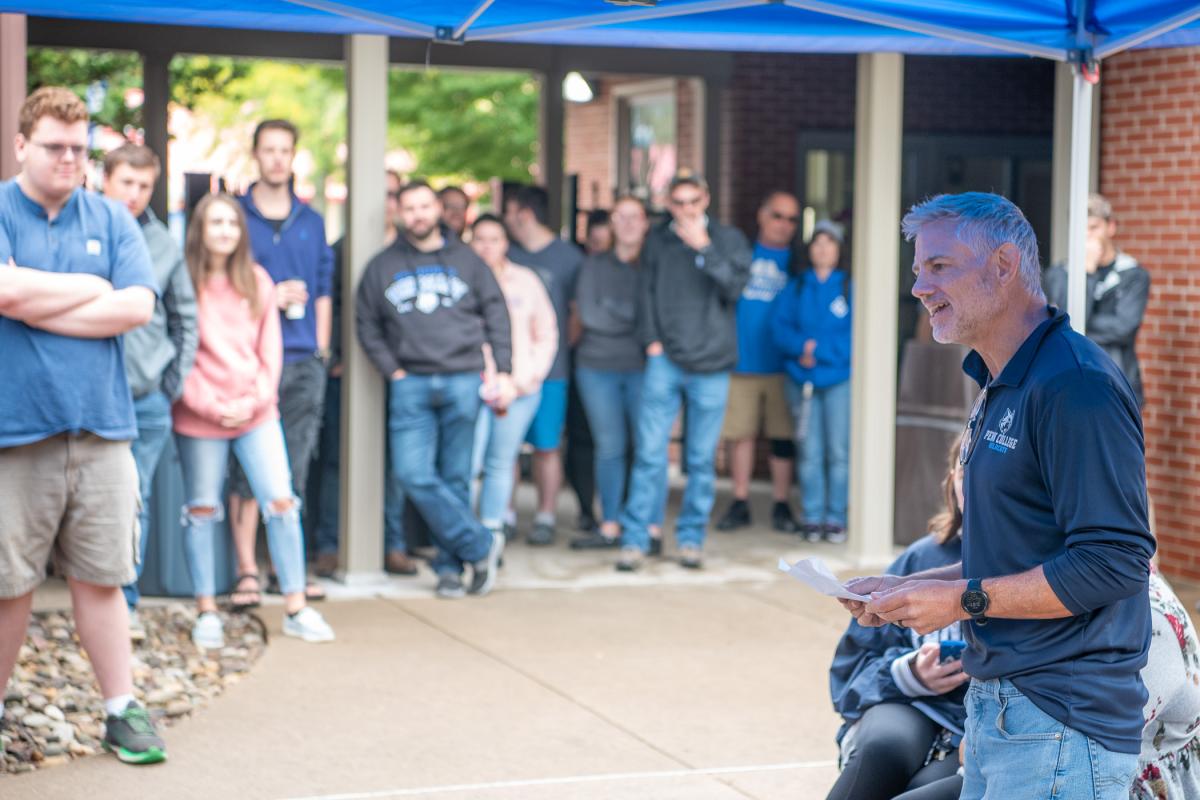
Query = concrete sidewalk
x=570 y=681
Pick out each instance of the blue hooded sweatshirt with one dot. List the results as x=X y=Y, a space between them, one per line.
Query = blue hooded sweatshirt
x=297 y=251
x=811 y=309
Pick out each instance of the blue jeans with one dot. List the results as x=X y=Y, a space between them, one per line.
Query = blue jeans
x=498 y=440
x=431 y=425
x=264 y=460
x=153 y=412
x=665 y=385
x=329 y=486
x=611 y=399
x=824 y=468
x=1014 y=749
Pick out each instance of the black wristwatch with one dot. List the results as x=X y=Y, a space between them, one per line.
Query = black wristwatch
x=975 y=601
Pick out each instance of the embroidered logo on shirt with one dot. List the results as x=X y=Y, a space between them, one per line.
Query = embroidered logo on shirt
x=839 y=307
x=998 y=440
x=93 y=247
x=427 y=290
x=766 y=281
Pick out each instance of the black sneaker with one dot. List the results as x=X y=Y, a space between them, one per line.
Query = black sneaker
x=510 y=531
x=484 y=576
x=738 y=516
x=782 y=519
x=542 y=534
x=834 y=534
x=449 y=586
x=587 y=524
x=595 y=541
x=655 y=546
x=132 y=738
x=811 y=532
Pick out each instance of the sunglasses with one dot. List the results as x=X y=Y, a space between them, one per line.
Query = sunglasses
x=684 y=202
x=970 y=435
x=775 y=215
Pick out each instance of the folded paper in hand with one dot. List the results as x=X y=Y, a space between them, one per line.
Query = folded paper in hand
x=814 y=572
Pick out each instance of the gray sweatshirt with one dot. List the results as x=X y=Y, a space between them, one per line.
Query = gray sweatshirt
x=159 y=355
x=688 y=299
x=606 y=294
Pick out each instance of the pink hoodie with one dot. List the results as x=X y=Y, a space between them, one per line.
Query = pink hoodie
x=534 y=327
x=238 y=362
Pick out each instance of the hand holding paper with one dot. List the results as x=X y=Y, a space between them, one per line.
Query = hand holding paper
x=816 y=574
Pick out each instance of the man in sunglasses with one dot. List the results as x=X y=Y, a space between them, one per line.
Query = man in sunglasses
x=693 y=270
x=1052 y=587
x=757 y=399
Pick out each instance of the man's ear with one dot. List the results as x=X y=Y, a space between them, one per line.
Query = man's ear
x=1007 y=263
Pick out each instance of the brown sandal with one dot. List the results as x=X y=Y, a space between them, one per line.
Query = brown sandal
x=252 y=598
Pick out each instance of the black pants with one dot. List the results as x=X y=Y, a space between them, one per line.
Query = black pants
x=888 y=755
x=580 y=462
x=945 y=789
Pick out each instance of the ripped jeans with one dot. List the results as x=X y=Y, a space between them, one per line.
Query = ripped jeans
x=263 y=456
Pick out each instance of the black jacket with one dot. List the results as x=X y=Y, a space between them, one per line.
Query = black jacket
x=1116 y=297
x=430 y=313
x=687 y=300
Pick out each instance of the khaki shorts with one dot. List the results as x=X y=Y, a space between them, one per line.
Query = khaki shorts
x=74 y=497
x=757 y=403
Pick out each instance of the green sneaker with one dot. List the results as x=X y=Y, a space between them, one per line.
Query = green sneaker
x=131 y=736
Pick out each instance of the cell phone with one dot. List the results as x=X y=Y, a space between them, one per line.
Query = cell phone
x=950 y=649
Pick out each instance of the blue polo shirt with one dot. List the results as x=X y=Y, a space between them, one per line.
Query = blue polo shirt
x=1057 y=478
x=54 y=384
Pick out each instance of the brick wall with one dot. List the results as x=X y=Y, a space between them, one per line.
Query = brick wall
x=1150 y=170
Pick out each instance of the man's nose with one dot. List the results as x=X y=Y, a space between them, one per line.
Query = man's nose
x=921 y=287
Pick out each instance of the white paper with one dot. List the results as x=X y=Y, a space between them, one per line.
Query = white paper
x=814 y=573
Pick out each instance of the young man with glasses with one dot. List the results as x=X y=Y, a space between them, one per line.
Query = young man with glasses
x=75 y=275
x=1052 y=587
x=757 y=399
x=693 y=270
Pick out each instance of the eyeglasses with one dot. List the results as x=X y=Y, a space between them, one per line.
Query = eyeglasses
x=57 y=151
x=970 y=433
x=775 y=215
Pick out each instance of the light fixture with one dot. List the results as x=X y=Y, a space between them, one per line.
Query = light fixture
x=576 y=88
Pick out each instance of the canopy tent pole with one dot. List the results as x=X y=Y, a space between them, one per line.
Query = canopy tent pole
x=1114 y=46
x=392 y=24
x=360 y=517
x=1081 y=156
x=463 y=26
x=156 y=86
x=878 y=144
x=611 y=18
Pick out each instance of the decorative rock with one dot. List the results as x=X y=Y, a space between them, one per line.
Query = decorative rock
x=36 y=720
x=178 y=708
x=36 y=701
x=54 y=713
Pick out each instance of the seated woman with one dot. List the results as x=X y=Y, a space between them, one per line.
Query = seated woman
x=902 y=704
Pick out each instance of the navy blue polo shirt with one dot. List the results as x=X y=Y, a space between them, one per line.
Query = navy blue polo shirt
x=54 y=384
x=1057 y=477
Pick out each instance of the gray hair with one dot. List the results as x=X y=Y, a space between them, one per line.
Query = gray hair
x=984 y=222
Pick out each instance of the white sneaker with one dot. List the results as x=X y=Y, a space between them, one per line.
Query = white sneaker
x=137 y=630
x=307 y=624
x=209 y=632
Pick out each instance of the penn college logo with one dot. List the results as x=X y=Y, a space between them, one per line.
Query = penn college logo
x=1000 y=441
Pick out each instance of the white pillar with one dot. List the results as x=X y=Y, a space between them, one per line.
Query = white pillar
x=1080 y=180
x=12 y=87
x=878 y=139
x=363 y=427
x=1064 y=89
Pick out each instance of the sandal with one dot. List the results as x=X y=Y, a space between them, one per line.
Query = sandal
x=313 y=592
x=251 y=598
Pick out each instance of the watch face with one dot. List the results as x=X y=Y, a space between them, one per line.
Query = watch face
x=974 y=602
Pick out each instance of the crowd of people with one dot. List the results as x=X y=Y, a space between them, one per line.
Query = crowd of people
x=490 y=331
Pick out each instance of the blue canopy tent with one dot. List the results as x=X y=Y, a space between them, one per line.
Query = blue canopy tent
x=1076 y=32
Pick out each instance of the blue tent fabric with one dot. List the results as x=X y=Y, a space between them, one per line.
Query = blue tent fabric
x=953 y=27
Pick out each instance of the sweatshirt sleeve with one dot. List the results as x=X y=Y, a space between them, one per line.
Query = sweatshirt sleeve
x=369 y=321
x=270 y=346
x=727 y=262
x=1120 y=325
x=544 y=333
x=200 y=398
x=497 y=327
x=785 y=321
x=833 y=349
x=324 y=265
x=647 y=324
x=179 y=301
x=1093 y=463
x=861 y=674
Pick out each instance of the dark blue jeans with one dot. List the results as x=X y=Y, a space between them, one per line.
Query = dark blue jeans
x=328 y=469
x=431 y=425
x=154 y=427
